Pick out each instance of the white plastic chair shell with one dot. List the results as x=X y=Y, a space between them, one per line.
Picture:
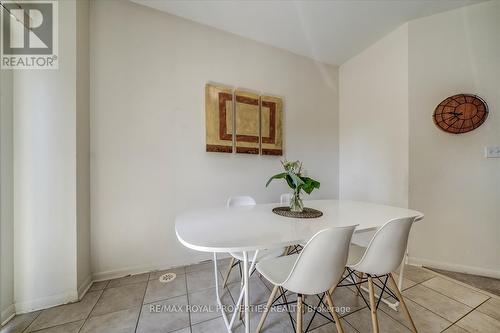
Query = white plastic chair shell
x=386 y=250
x=317 y=268
x=242 y=200
x=285 y=198
x=363 y=238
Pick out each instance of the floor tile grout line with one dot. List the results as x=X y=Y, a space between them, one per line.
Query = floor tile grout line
x=464 y=284
x=142 y=303
x=105 y=286
x=437 y=314
x=31 y=322
x=61 y=305
x=357 y=310
x=88 y=316
x=486 y=314
x=318 y=327
x=416 y=284
x=468 y=313
x=228 y=293
x=188 y=293
x=188 y=302
x=405 y=324
x=350 y=313
x=455 y=326
x=74 y=321
x=452 y=325
x=342 y=317
x=118 y=310
x=207 y=320
x=453 y=298
x=166 y=299
x=461 y=284
x=390 y=317
x=453 y=322
x=58 y=325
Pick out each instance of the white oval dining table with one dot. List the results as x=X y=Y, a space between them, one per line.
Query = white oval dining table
x=255 y=228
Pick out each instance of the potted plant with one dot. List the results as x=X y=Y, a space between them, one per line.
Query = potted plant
x=297 y=182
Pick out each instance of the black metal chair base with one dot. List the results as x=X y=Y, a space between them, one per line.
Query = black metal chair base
x=295 y=249
x=317 y=309
x=379 y=282
x=237 y=262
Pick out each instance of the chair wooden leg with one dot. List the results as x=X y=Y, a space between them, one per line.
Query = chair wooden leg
x=373 y=306
x=298 y=328
x=266 y=309
x=331 y=307
x=229 y=269
x=402 y=302
x=360 y=278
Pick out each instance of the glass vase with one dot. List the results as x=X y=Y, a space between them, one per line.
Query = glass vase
x=296 y=204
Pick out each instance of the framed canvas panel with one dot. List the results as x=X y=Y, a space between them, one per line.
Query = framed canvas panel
x=219 y=118
x=271 y=125
x=247 y=122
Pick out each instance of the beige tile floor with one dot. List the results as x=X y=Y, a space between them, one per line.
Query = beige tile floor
x=142 y=304
x=491 y=285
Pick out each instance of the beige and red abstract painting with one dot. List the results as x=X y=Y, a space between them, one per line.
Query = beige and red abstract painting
x=271 y=125
x=246 y=120
x=219 y=118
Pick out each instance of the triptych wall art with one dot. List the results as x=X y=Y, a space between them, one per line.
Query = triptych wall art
x=243 y=121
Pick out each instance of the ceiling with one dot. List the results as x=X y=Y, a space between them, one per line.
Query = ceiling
x=327 y=31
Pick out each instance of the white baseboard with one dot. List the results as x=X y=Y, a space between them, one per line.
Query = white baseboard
x=7 y=314
x=82 y=290
x=46 y=302
x=455 y=267
x=117 y=273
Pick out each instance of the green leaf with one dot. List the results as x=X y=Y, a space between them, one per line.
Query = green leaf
x=278 y=176
x=296 y=179
x=289 y=180
x=309 y=184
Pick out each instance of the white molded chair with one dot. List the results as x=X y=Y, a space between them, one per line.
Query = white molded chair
x=285 y=198
x=363 y=238
x=237 y=257
x=314 y=271
x=238 y=201
x=380 y=258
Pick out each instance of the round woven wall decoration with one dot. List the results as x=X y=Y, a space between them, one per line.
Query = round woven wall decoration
x=460 y=113
x=307 y=213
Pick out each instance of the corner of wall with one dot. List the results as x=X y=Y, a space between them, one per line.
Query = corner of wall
x=6 y=196
x=373 y=153
x=7 y=314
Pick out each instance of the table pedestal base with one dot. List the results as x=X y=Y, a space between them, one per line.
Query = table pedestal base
x=244 y=293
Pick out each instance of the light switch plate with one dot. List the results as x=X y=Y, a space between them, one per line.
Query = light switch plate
x=492 y=152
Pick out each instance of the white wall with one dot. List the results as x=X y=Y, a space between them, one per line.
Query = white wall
x=374 y=122
x=148 y=132
x=45 y=178
x=401 y=79
x=6 y=198
x=450 y=180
